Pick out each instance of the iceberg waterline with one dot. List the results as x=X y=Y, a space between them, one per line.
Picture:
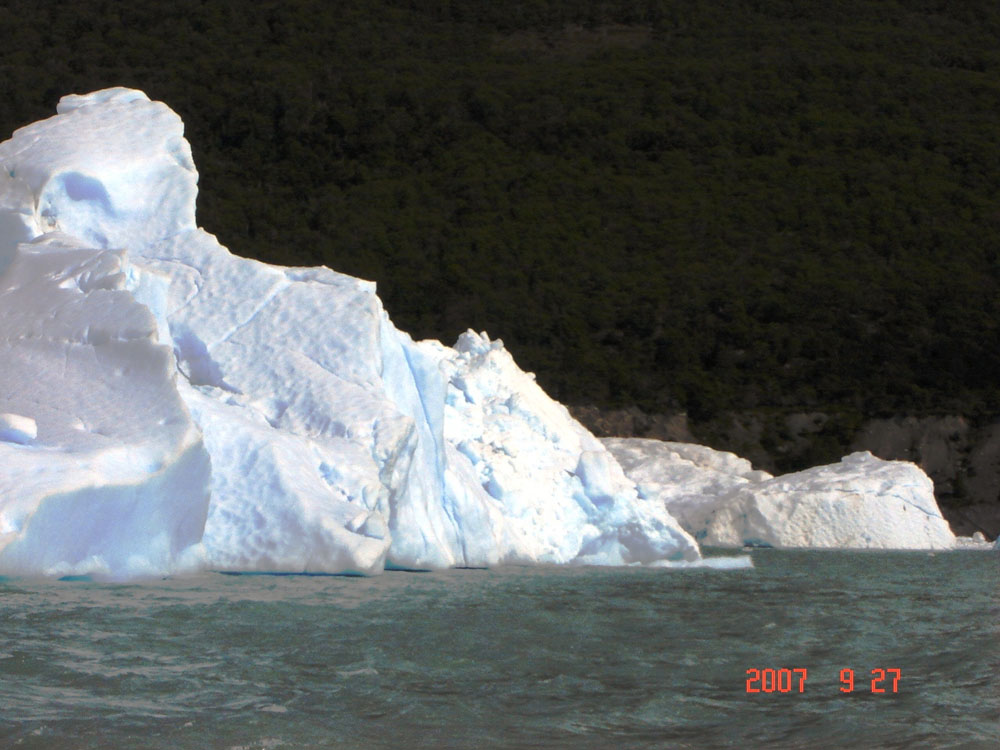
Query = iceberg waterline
x=166 y=405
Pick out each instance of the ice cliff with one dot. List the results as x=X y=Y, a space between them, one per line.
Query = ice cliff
x=166 y=406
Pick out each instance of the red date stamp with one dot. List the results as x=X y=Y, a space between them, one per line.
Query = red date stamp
x=883 y=680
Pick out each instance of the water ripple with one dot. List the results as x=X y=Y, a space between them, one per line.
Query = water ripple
x=511 y=657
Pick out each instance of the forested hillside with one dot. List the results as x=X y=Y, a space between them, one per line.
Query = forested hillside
x=701 y=206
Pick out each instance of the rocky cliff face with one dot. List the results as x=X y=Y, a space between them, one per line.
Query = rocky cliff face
x=961 y=455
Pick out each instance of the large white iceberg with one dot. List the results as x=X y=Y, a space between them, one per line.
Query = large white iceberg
x=166 y=404
x=862 y=502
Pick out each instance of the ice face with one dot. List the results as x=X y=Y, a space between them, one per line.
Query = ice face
x=561 y=495
x=281 y=370
x=103 y=469
x=170 y=404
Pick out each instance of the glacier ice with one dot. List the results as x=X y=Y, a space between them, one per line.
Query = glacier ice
x=111 y=169
x=169 y=405
x=862 y=502
x=166 y=405
x=15 y=428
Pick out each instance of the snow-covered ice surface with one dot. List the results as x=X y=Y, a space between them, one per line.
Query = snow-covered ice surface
x=166 y=404
x=862 y=502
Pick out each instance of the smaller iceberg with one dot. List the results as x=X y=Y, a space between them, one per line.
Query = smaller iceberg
x=682 y=476
x=863 y=502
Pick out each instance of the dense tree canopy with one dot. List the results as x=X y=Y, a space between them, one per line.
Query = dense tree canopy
x=706 y=206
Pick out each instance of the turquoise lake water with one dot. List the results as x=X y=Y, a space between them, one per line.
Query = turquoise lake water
x=515 y=657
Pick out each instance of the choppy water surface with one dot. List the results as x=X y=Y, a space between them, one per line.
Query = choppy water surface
x=511 y=657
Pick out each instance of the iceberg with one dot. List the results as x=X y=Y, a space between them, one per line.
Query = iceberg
x=169 y=406
x=863 y=502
